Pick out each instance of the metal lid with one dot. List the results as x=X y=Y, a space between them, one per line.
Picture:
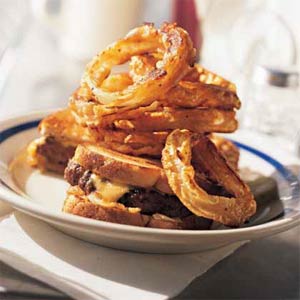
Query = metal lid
x=280 y=77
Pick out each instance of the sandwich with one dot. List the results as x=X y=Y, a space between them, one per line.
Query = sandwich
x=118 y=188
x=60 y=135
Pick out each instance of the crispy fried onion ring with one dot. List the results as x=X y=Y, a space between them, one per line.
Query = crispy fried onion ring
x=87 y=113
x=178 y=55
x=228 y=149
x=198 y=73
x=134 y=149
x=168 y=118
x=199 y=88
x=134 y=137
x=141 y=64
x=198 y=94
x=155 y=117
x=113 y=83
x=176 y=160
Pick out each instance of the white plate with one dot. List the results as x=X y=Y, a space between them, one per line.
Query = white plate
x=42 y=196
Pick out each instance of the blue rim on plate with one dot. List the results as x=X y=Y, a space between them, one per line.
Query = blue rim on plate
x=7 y=133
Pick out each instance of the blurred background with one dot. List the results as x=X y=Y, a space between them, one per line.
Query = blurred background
x=45 y=45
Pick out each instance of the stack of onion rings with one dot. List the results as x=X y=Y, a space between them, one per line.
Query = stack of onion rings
x=160 y=71
x=167 y=104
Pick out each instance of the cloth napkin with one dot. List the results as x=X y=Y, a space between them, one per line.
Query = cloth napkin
x=87 y=271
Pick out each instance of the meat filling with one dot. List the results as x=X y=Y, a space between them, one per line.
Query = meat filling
x=75 y=174
x=149 y=201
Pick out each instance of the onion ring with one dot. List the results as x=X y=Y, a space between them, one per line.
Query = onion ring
x=196 y=120
x=200 y=74
x=178 y=55
x=197 y=94
x=113 y=83
x=200 y=88
x=87 y=113
x=176 y=160
x=141 y=64
x=227 y=149
x=119 y=136
x=155 y=117
x=82 y=93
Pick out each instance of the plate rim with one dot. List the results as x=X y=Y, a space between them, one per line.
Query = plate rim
x=41 y=212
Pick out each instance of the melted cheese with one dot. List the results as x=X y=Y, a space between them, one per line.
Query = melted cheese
x=107 y=192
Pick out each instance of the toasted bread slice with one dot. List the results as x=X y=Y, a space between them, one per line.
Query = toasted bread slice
x=122 y=168
x=77 y=203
